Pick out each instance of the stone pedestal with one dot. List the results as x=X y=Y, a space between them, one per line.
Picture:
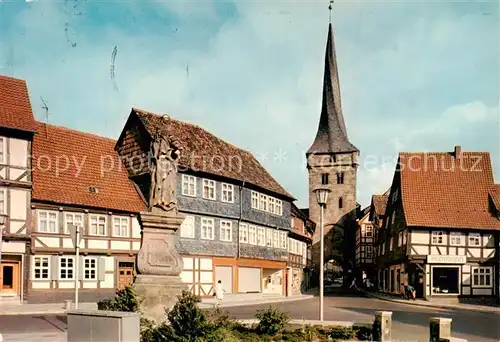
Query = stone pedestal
x=439 y=329
x=159 y=264
x=384 y=318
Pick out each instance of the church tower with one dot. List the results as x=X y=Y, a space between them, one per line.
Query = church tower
x=332 y=160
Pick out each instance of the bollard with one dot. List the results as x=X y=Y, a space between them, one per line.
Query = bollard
x=68 y=304
x=383 y=323
x=439 y=329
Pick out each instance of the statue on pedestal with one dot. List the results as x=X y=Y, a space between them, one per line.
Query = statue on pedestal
x=158 y=262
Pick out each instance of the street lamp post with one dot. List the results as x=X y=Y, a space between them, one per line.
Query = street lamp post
x=322 y=198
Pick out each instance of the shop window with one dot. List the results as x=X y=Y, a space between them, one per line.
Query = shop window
x=445 y=280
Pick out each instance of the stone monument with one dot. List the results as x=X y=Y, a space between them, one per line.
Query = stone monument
x=159 y=264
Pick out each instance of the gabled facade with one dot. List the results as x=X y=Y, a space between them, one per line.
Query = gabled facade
x=439 y=232
x=17 y=128
x=237 y=217
x=332 y=160
x=364 y=259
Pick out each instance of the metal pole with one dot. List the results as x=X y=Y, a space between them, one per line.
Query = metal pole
x=77 y=262
x=321 y=265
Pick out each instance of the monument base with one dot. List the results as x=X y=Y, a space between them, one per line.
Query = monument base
x=158 y=294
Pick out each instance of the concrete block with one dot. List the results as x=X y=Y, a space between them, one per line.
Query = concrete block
x=103 y=326
x=384 y=318
x=439 y=329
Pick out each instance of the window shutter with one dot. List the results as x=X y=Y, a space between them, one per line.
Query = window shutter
x=81 y=271
x=101 y=269
x=54 y=267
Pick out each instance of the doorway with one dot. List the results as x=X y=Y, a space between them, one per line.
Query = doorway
x=9 y=278
x=125 y=274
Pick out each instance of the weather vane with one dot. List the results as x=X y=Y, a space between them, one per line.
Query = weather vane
x=330 y=9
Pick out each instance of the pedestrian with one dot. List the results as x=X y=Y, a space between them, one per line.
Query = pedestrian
x=353 y=284
x=219 y=293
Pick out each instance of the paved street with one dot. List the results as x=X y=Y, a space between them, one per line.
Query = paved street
x=410 y=323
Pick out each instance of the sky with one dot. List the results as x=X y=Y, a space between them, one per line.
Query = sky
x=414 y=75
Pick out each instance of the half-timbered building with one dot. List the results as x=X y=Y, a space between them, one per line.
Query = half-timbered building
x=439 y=227
x=363 y=256
x=17 y=128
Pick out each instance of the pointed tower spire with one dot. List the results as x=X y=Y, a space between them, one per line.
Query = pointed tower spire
x=332 y=133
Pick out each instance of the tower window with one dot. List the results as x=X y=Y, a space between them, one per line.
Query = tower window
x=340 y=178
x=324 y=178
x=341 y=204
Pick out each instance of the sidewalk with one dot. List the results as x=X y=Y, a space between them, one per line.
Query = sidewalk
x=433 y=304
x=248 y=299
x=40 y=309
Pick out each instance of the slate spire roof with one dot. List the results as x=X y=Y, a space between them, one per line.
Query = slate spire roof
x=332 y=133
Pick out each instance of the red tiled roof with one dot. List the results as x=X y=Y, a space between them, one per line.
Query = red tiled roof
x=80 y=156
x=15 y=106
x=200 y=147
x=439 y=190
x=495 y=196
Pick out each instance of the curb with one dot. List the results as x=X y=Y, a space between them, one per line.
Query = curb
x=435 y=306
x=33 y=313
x=304 y=322
x=248 y=303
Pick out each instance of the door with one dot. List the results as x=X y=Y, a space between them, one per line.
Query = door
x=225 y=275
x=9 y=282
x=125 y=274
x=248 y=279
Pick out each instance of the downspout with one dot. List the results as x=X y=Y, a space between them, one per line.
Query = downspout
x=239 y=219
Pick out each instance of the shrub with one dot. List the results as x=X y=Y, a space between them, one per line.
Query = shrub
x=364 y=333
x=376 y=330
x=221 y=318
x=271 y=321
x=342 y=333
x=309 y=332
x=124 y=300
x=186 y=319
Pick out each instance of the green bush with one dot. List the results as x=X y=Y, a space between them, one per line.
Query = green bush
x=221 y=318
x=124 y=300
x=364 y=333
x=187 y=319
x=271 y=321
x=342 y=333
x=376 y=330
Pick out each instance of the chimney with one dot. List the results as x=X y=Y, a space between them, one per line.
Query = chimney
x=458 y=152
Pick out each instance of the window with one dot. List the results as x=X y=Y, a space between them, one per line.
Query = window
x=400 y=238
x=324 y=178
x=72 y=219
x=89 y=268
x=299 y=247
x=283 y=239
x=271 y=205
x=255 y=200
x=341 y=204
x=456 y=239
x=438 y=238
x=3 y=200
x=227 y=193
x=481 y=277
x=279 y=208
x=474 y=239
x=269 y=238
x=66 y=268
x=97 y=225
x=391 y=243
x=209 y=189
x=261 y=236
x=243 y=232
x=207 y=229
x=369 y=252
x=3 y=160
x=263 y=202
x=395 y=196
x=187 y=227
x=404 y=237
x=340 y=178
x=47 y=221
x=226 y=230
x=276 y=239
x=41 y=267
x=189 y=185
x=369 y=231
x=121 y=226
x=251 y=234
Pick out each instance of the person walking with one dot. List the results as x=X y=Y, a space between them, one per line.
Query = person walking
x=353 y=285
x=219 y=293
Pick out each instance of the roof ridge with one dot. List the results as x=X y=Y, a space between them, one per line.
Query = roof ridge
x=13 y=78
x=75 y=131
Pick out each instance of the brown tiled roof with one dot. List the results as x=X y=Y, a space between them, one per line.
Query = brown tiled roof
x=15 y=106
x=495 y=196
x=439 y=190
x=205 y=152
x=80 y=156
x=380 y=202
